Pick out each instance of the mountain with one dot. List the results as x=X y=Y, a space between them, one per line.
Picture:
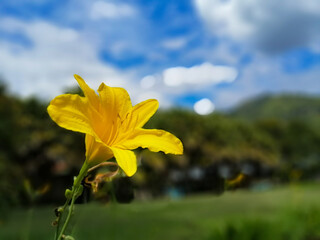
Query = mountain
x=284 y=106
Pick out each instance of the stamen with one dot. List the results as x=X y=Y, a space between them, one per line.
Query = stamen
x=101 y=177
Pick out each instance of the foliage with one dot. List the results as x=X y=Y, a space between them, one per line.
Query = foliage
x=33 y=150
x=265 y=141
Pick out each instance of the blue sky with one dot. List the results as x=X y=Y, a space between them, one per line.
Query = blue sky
x=180 y=52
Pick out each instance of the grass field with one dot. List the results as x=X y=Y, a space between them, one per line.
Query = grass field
x=290 y=212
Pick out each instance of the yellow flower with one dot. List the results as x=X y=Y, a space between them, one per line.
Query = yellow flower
x=113 y=127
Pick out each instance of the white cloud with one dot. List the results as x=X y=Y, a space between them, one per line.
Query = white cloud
x=265 y=75
x=178 y=81
x=109 y=10
x=148 y=82
x=204 y=74
x=47 y=67
x=164 y=102
x=174 y=43
x=271 y=26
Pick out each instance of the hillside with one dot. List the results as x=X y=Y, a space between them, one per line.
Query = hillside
x=284 y=107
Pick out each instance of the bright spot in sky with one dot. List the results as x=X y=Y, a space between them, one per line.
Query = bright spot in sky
x=203 y=106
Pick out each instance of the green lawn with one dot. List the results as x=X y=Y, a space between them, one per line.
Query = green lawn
x=291 y=212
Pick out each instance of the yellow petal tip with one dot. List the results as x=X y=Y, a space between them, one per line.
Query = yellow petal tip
x=79 y=79
x=131 y=173
x=101 y=87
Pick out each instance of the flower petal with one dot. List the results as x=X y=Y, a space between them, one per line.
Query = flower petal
x=126 y=159
x=88 y=92
x=96 y=152
x=71 y=111
x=144 y=111
x=153 y=139
x=136 y=118
x=114 y=101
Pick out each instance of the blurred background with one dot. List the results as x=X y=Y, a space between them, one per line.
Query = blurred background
x=237 y=82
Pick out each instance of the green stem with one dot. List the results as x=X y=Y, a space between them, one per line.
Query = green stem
x=61 y=216
x=68 y=216
x=75 y=193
